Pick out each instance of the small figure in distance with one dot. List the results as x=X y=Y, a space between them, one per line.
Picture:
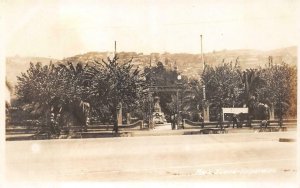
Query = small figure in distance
x=264 y=123
x=220 y=123
x=234 y=121
x=201 y=120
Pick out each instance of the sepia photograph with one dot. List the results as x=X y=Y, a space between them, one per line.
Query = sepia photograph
x=130 y=93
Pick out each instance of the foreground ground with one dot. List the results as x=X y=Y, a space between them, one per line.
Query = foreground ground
x=229 y=157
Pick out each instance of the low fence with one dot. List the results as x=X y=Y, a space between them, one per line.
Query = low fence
x=135 y=125
x=34 y=128
x=187 y=124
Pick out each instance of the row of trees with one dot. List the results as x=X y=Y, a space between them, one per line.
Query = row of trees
x=103 y=84
x=107 y=84
x=229 y=86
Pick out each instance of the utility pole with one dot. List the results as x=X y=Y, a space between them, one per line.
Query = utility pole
x=150 y=123
x=119 y=104
x=205 y=106
x=203 y=66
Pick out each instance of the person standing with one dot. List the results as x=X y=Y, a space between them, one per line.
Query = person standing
x=220 y=123
x=234 y=121
x=264 y=123
x=201 y=120
x=173 y=121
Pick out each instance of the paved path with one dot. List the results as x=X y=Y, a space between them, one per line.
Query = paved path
x=229 y=157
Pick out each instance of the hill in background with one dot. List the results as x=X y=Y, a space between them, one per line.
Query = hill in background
x=190 y=64
x=187 y=64
x=16 y=65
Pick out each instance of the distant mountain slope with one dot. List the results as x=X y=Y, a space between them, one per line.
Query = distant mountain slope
x=190 y=64
x=253 y=58
x=187 y=64
x=16 y=65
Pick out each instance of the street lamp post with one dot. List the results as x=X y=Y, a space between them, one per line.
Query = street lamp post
x=205 y=105
x=150 y=123
x=177 y=100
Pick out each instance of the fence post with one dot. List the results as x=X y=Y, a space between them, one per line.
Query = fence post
x=142 y=124
x=271 y=112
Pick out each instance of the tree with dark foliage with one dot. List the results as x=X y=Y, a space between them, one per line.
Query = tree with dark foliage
x=116 y=83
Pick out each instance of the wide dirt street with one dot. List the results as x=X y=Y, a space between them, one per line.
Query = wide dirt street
x=228 y=157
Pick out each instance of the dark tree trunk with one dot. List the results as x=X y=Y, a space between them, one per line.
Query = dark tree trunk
x=116 y=119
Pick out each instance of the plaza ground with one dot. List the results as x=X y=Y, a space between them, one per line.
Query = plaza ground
x=250 y=157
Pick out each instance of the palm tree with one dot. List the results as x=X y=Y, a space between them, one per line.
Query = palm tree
x=252 y=82
x=192 y=97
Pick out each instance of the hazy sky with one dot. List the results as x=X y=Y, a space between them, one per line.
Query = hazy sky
x=61 y=28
